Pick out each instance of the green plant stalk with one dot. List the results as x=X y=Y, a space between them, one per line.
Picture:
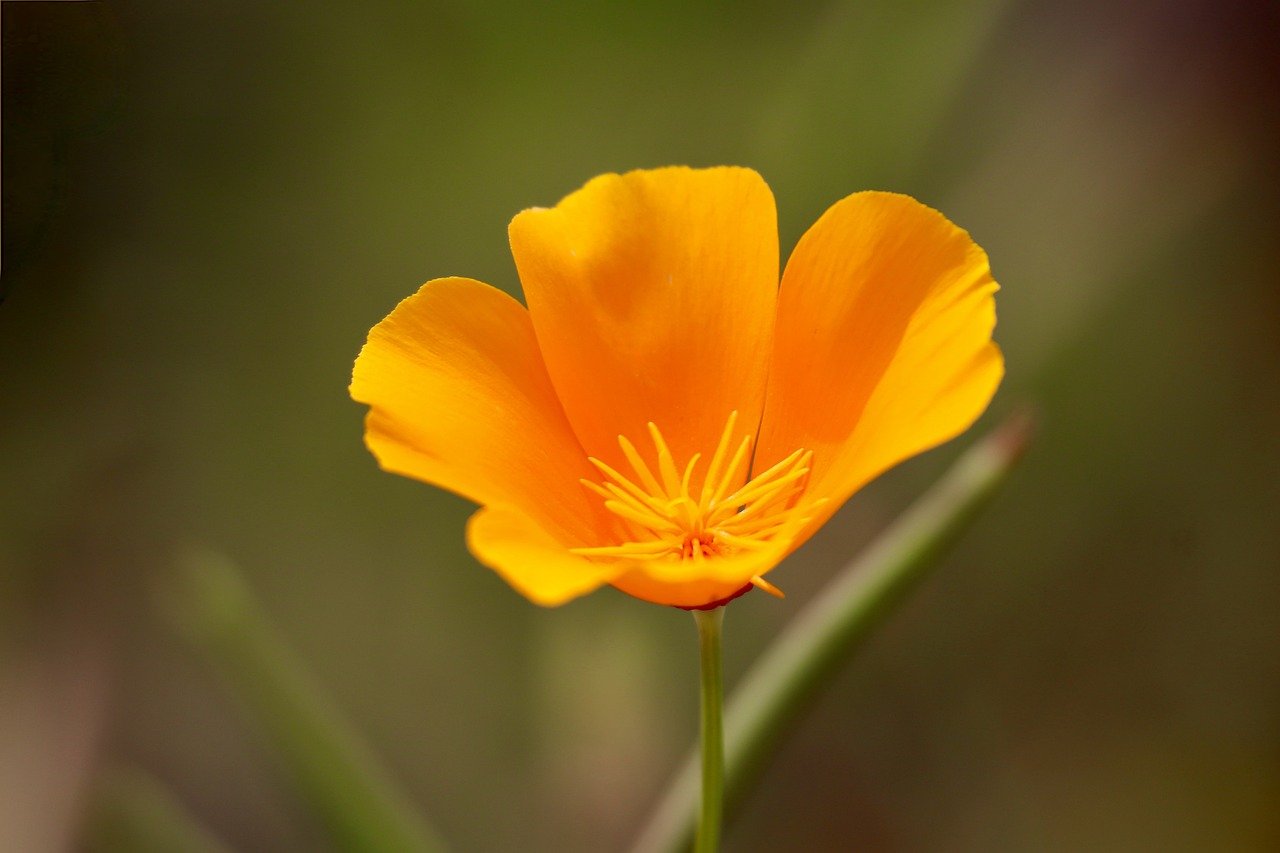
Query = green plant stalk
x=834 y=624
x=134 y=811
x=711 y=729
x=332 y=766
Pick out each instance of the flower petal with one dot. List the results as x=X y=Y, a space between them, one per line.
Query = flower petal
x=697 y=592
x=883 y=345
x=695 y=583
x=698 y=582
x=653 y=296
x=532 y=560
x=459 y=398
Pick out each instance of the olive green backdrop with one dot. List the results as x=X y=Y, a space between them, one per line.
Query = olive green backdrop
x=207 y=205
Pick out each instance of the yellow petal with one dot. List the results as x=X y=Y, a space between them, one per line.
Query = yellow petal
x=883 y=345
x=531 y=559
x=459 y=398
x=653 y=296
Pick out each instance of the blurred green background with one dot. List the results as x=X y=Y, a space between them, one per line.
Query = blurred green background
x=207 y=205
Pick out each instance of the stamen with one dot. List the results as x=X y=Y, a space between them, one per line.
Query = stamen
x=686 y=511
x=760 y=583
x=644 y=504
x=688 y=473
x=717 y=459
x=619 y=479
x=597 y=488
x=730 y=474
x=653 y=522
x=732 y=513
x=757 y=528
x=762 y=497
x=746 y=543
x=637 y=464
x=762 y=489
x=666 y=463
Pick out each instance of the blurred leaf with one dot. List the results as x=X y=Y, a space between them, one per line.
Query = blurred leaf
x=135 y=813
x=334 y=769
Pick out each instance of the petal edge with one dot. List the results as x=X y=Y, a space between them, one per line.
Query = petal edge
x=531 y=560
x=459 y=398
x=883 y=347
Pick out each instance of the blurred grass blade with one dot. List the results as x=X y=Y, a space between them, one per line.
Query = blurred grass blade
x=133 y=811
x=806 y=655
x=899 y=66
x=332 y=766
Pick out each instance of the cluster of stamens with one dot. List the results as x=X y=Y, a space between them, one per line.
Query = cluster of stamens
x=666 y=517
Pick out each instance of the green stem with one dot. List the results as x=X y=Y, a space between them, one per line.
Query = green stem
x=834 y=624
x=133 y=811
x=711 y=728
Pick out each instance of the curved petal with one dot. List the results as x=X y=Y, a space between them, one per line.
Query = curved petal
x=883 y=345
x=688 y=583
x=698 y=592
x=531 y=559
x=653 y=296
x=459 y=398
x=698 y=582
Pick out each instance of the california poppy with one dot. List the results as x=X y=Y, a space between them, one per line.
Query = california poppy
x=664 y=416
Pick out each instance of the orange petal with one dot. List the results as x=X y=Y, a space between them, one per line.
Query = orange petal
x=459 y=398
x=695 y=583
x=653 y=296
x=693 y=593
x=883 y=346
x=532 y=560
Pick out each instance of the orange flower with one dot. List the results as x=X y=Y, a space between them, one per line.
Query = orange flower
x=664 y=416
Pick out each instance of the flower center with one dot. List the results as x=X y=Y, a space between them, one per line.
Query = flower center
x=666 y=517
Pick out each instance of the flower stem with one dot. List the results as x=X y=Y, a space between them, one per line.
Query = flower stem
x=802 y=660
x=711 y=728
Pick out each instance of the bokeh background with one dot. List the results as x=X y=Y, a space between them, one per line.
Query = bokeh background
x=207 y=205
